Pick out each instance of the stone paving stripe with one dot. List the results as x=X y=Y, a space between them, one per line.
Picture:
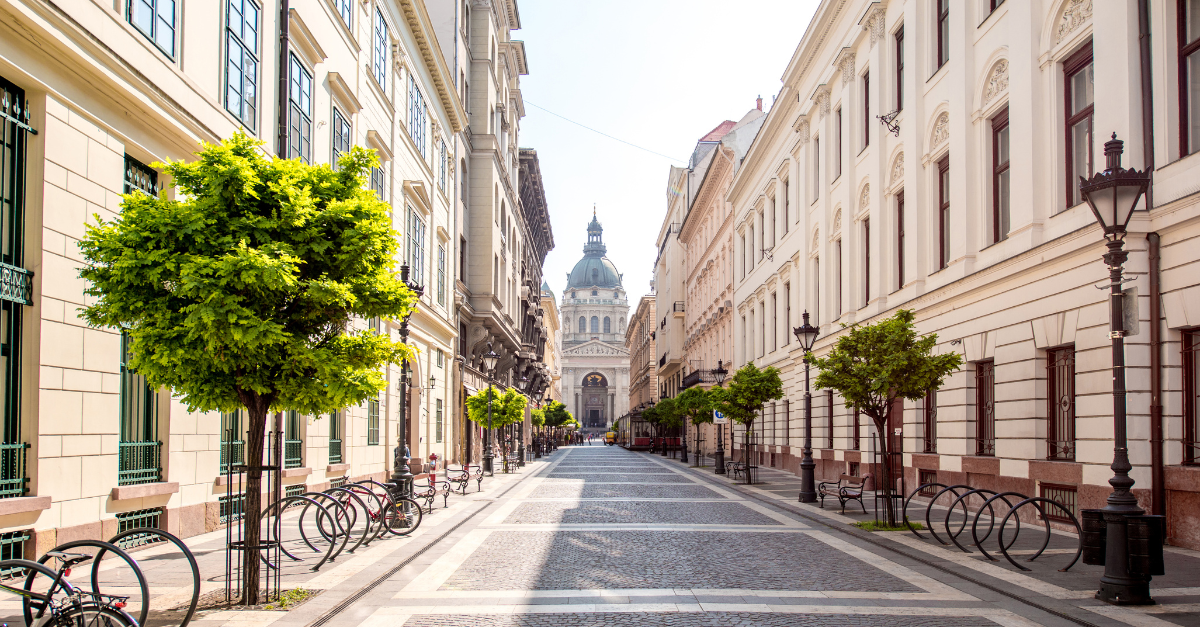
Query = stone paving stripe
x=1128 y=616
x=641 y=512
x=448 y=595
x=440 y=570
x=723 y=528
x=904 y=573
x=579 y=608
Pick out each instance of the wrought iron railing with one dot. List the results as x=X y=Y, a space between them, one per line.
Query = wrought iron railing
x=16 y=284
x=151 y=518
x=985 y=416
x=335 y=451
x=293 y=453
x=12 y=547
x=139 y=462
x=232 y=453
x=678 y=305
x=697 y=376
x=13 y=480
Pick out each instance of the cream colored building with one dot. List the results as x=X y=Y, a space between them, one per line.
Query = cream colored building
x=105 y=89
x=639 y=342
x=980 y=230
x=552 y=353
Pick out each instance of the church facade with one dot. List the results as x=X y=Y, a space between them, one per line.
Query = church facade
x=595 y=312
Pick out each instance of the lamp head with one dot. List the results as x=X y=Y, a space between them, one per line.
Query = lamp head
x=720 y=372
x=1113 y=193
x=490 y=358
x=806 y=334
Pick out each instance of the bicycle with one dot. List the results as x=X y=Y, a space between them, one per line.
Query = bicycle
x=73 y=607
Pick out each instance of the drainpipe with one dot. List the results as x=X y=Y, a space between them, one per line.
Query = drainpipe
x=1157 y=485
x=1147 y=94
x=283 y=78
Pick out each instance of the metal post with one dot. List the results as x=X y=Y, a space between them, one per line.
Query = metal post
x=683 y=443
x=1117 y=585
x=402 y=476
x=719 y=455
x=488 y=435
x=808 y=491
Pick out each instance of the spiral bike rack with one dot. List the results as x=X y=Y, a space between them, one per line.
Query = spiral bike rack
x=103 y=546
x=336 y=528
x=990 y=497
x=187 y=553
x=323 y=513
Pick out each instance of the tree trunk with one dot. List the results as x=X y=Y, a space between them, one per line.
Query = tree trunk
x=746 y=449
x=256 y=411
x=885 y=488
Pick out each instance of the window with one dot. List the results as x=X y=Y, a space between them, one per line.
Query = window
x=787 y=313
x=816 y=186
x=1065 y=495
x=774 y=322
x=416 y=245
x=156 y=20
x=816 y=292
x=1080 y=98
x=142 y=518
x=900 y=239
x=595 y=324
x=837 y=290
x=929 y=422
x=441 y=358
x=241 y=52
x=335 y=438
x=377 y=181
x=341 y=137
x=582 y=325
x=442 y=167
x=416 y=115
x=441 y=280
x=437 y=432
x=299 y=111
x=744 y=257
x=994 y=4
x=382 y=42
x=1060 y=403
x=866 y=105
x=233 y=441
x=985 y=401
x=900 y=69
x=943 y=32
x=607 y=324
x=1191 y=396
x=293 y=446
x=925 y=478
x=786 y=206
x=944 y=212
x=374 y=325
x=372 y=421
x=750 y=251
x=1189 y=77
x=1000 y=177
x=838 y=139
x=345 y=10
x=462 y=259
x=138 y=445
x=866 y=261
x=140 y=177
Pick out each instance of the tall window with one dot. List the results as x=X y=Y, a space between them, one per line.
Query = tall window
x=837 y=274
x=382 y=45
x=900 y=239
x=787 y=201
x=241 y=52
x=929 y=422
x=943 y=32
x=1060 y=402
x=900 y=69
x=138 y=444
x=944 y=212
x=607 y=324
x=341 y=137
x=1191 y=396
x=156 y=20
x=293 y=446
x=1080 y=98
x=377 y=181
x=743 y=264
x=787 y=313
x=416 y=245
x=299 y=111
x=441 y=279
x=233 y=440
x=437 y=425
x=774 y=322
x=816 y=186
x=345 y=10
x=582 y=325
x=816 y=291
x=1189 y=77
x=416 y=115
x=1000 y=176
x=595 y=324
x=985 y=408
x=442 y=168
x=372 y=421
x=837 y=148
x=335 y=438
x=866 y=107
x=866 y=262
x=750 y=251
x=994 y=4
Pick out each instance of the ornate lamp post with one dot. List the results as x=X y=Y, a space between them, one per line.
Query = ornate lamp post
x=807 y=335
x=522 y=385
x=1112 y=195
x=719 y=456
x=401 y=475
x=489 y=364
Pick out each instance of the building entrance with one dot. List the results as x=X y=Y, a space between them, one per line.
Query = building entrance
x=595 y=401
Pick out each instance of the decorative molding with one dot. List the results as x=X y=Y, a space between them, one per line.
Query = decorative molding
x=897 y=169
x=845 y=60
x=1074 y=15
x=821 y=97
x=941 y=130
x=864 y=199
x=997 y=82
x=816 y=241
x=873 y=21
x=837 y=221
x=802 y=128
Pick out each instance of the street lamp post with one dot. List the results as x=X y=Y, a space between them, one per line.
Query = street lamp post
x=807 y=335
x=401 y=474
x=1112 y=196
x=489 y=364
x=719 y=455
x=523 y=384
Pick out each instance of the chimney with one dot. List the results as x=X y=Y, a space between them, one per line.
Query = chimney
x=759 y=102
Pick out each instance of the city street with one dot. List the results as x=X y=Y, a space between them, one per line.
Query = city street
x=602 y=536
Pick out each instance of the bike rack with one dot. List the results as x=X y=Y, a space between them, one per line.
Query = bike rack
x=103 y=546
x=277 y=528
x=187 y=618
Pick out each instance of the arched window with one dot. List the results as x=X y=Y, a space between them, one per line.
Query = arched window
x=607 y=324
x=582 y=325
x=595 y=324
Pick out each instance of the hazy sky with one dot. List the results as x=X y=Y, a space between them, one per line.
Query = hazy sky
x=656 y=73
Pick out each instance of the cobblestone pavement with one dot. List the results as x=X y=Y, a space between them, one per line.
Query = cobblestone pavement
x=598 y=536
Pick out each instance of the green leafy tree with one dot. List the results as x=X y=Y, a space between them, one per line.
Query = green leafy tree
x=748 y=391
x=537 y=417
x=873 y=365
x=239 y=293
x=696 y=406
x=508 y=407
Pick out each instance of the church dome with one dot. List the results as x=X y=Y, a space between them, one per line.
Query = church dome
x=594 y=270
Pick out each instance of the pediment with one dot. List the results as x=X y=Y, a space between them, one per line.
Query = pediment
x=596 y=348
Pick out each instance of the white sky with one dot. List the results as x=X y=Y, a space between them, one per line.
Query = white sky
x=656 y=73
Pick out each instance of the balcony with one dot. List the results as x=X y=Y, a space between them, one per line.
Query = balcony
x=696 y=377
x=139 y=462
x=678 y=308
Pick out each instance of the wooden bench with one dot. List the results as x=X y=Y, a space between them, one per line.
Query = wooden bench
x=846 y=488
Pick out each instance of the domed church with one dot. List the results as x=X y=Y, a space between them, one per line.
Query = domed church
x=595 y=307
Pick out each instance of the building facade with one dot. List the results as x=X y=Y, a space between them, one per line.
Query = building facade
x=552 y=352
x=94 y=94
x=639 y=342
x=940 y=209
x=595 y=362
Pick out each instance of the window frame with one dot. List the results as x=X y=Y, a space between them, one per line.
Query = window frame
x=441 y=283
x=943 y=216
x=866 y=105
x=985 y=408
x=787 y=214
x=1074 y=64
x=340 y=126
x=840 y=138
x=416 y=245
x=418 y=114
x=1001 y=216
x=900 y=239
x=941 y=15
x=1190 y=351
x=837 y=260
x=816 y=187
x=929 y=422
x=373 y=421
x=246 y=119
x=378 y=182
x=345 y=11
x=299 y=142
x=866 y=232
x=156 y=17
x=899 y=50
x=1185 y=49
x=1060 y=423
x=380 y=49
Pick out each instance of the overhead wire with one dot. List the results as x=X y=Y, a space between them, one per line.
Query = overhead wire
x=562 y=117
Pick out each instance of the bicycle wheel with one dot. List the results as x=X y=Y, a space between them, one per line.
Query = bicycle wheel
x=91 y=615
x=403 y=517
x=37 y=580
